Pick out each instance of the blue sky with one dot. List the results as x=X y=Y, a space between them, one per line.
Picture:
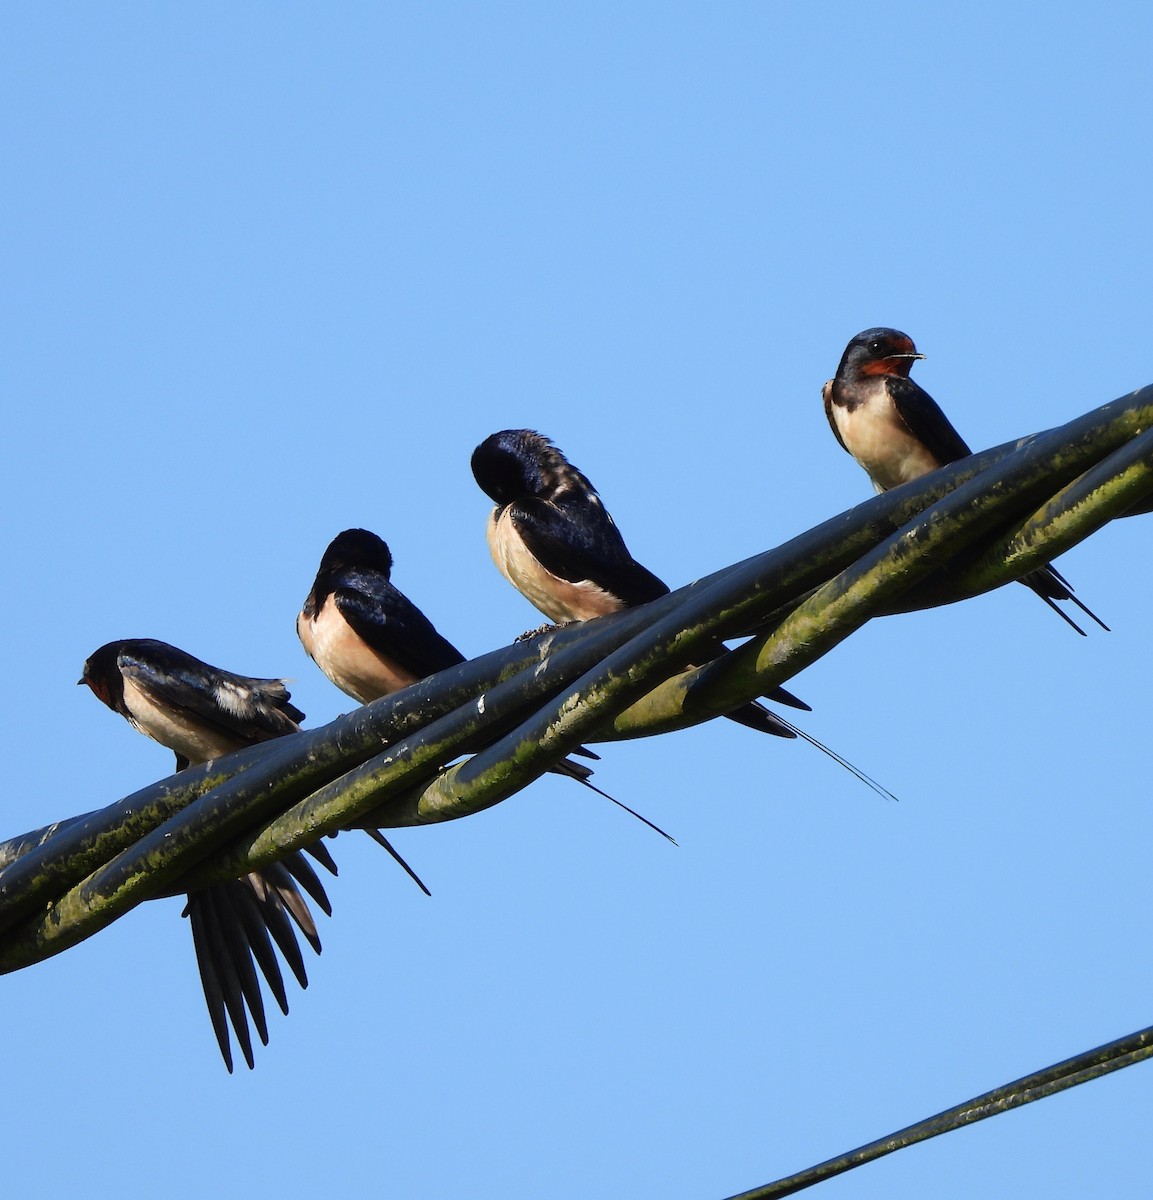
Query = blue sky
x=274 y=270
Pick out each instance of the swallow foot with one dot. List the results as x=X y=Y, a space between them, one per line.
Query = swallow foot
x=547 y=627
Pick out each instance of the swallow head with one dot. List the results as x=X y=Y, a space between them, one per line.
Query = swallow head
x=101 y=673
x=357 y=548
x=516 y=463
x=879 y=351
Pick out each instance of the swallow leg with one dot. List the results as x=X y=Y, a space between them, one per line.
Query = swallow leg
x=547 y=627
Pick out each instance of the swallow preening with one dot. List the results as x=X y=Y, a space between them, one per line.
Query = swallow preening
x=201 y=712
x=552 y=538
x=370 y=639
x=550 y=534
x=897 y=432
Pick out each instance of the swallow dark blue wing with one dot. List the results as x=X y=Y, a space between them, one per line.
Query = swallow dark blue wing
x=580 y=541
x=389 y=623
x=240 y=706
x=925 y=420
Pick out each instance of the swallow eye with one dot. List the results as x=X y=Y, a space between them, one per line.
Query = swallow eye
x=876 y=347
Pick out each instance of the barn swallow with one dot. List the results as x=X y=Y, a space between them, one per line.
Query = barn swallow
x=550 y=534
x=360 y=630
x=371 y=640
x=897 y=432
x=200 y=713
x=552 y=538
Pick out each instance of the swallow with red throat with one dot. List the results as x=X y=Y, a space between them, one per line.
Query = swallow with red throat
x=201 y=713
x=897 y=432
x=552 y=538
x=371 y=640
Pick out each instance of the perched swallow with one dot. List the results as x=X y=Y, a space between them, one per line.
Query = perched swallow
x=371 y=640
x=201 y=712
x=897 y=432
x=552 y=538
x=550 y=534
x=363 y=633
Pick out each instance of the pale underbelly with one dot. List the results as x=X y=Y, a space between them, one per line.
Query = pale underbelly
x=559 y=599
x=884 y=447
x=169 y=729
x=344 y=657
